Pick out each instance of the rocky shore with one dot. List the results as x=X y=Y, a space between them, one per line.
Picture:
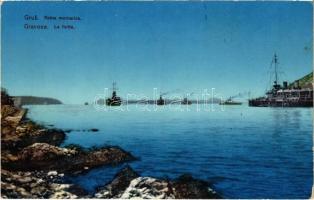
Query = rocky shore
x=127 y=184
x=34 y=165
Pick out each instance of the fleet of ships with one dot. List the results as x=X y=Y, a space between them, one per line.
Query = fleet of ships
x=278 y=96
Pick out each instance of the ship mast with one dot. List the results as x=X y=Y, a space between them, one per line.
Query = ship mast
x=276 y=62
x=114 y=89
x=114 y=86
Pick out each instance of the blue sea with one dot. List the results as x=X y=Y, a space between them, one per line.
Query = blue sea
x=245 y=152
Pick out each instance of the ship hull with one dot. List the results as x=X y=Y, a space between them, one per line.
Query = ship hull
x=233 y=103
x=160 y=102
x=110 y=102
x=267 y=103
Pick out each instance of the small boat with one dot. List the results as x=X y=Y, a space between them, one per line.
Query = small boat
x=230 y=102
x=114 y=100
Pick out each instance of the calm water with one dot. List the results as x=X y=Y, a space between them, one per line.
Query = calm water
x=245 y=152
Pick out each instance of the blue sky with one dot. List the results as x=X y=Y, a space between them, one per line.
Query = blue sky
x=144 y=45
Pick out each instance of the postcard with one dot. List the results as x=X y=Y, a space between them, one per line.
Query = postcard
x=157 y=99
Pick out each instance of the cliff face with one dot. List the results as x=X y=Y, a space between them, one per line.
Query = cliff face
x=31 y=100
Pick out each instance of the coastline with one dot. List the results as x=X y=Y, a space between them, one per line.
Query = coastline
x=34 y=165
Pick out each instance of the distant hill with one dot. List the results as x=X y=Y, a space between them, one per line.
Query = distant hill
x=304 y=82
x=31 y=100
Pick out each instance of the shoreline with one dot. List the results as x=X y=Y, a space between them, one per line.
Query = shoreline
x=34 y=165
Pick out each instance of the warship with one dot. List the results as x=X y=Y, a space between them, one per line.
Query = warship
x=186 y=101
x=161 y=101
x=114 y=100
x=285 y=95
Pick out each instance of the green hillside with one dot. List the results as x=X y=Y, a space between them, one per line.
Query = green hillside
x=305 y=81
x=31 y=100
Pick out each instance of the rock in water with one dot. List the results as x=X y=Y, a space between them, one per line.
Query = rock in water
x=148 y=188
x=186 y=187
x=52 y=173
x=119 y=184
x=43 y=156
x=127 y=185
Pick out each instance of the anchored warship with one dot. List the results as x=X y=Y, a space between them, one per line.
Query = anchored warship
x=284 y=95
x=186 y=101
x=161 y=101
x=114 y=100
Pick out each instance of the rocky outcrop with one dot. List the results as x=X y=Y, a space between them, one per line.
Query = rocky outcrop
x=118 y=185
x=29 y=152
x=42 y=156
x=8 y=110
x=18 y=133
x=5 y=98
x=26 y=134
x=186 y=187
x=127 y=185
x=148 y=188
x=37 y=185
